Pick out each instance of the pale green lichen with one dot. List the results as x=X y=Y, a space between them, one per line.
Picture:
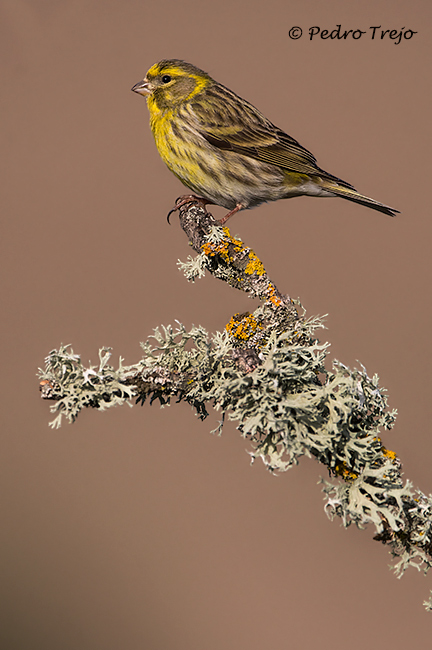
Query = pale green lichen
x=428 y=603
x=287 y=404
x=194 y=267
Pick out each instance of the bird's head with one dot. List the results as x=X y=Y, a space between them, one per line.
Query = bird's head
x=172 y=82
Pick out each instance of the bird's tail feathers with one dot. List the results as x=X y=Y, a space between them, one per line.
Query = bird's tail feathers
x=353 y=195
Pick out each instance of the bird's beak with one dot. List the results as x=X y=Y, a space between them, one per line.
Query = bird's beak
x=142 y=87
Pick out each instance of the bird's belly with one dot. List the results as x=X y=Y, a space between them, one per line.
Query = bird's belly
x=223 y=177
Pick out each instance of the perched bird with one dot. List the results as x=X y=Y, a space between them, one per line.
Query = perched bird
x=225 y=150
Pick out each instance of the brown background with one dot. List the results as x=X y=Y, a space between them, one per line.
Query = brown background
x=136 y=528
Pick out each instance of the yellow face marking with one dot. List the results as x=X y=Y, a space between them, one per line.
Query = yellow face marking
x=153 y=71
x=175 y=71
x=200 y=84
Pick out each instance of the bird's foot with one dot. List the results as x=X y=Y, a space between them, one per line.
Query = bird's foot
x=224 y=219
x=188 y=198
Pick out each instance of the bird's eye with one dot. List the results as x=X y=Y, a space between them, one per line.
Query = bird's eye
x=166 y=79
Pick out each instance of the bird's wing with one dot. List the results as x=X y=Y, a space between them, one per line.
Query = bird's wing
x=230 y=123
x=233 y=124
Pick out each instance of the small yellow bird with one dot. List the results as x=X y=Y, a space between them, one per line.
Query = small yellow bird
x=225 y=150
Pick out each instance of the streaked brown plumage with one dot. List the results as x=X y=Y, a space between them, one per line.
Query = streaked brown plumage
x=225 y=150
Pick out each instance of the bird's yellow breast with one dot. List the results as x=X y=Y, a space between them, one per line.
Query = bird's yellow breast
x=176 y=145
x=160 y=123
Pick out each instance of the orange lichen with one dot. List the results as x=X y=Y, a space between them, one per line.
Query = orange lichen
x=254 y=265
x=388 y=453
x=243 y=326
x=238 y=244
x=273 y=297
x=221 y=249
x=342 y=470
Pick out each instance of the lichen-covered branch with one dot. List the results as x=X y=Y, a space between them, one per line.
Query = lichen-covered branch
x=267 y=372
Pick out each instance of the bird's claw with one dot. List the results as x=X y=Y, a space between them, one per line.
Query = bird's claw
x=183 y=200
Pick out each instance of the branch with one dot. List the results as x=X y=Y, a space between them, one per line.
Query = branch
x=267 y=372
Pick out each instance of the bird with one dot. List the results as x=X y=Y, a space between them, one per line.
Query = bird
x=225 y=150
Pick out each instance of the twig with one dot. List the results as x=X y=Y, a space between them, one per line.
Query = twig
x=267 y=372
